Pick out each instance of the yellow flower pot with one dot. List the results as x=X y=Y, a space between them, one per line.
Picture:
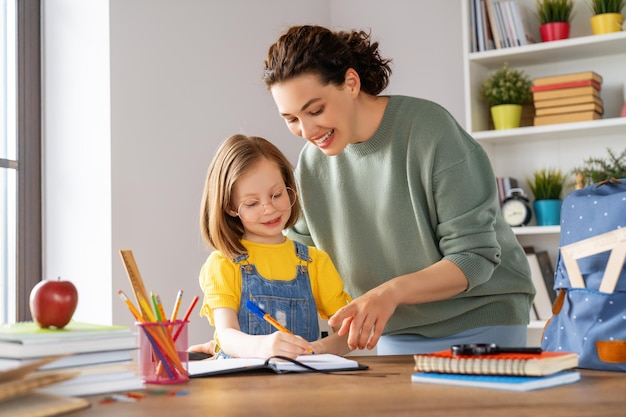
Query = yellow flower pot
x=606 y=23
x=506 y=116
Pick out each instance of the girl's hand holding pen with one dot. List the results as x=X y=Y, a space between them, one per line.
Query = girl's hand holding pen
x=283 y=344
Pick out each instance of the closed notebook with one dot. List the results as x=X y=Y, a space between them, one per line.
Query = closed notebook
x=501 y=382
x=527 y=364
x=26 y=340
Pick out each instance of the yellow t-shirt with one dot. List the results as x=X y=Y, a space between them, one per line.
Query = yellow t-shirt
x=220 y=278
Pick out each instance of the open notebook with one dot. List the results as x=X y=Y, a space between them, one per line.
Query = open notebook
x=305 y=363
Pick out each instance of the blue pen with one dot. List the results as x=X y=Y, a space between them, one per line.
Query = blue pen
x=258 y=311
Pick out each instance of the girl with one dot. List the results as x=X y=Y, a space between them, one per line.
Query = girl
x=249 y=198
x=402 y=199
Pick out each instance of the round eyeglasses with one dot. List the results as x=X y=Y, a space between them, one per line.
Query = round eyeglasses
x=252 y=210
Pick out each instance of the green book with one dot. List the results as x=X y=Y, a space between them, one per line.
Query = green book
x=26 y=340
x=30 y=332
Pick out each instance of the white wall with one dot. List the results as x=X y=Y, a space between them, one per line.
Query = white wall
x=422 y=37
x=139 y=93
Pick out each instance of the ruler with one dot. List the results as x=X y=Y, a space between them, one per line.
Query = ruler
x=136 y=283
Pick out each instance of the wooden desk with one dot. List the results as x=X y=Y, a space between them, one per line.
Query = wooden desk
x=383 y=390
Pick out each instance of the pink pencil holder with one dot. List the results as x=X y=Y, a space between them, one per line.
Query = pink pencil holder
x=163 y=356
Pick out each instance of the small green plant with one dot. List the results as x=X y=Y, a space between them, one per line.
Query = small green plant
x=550 y=11
x=507 y=86
x=607 y=6
x=596 y=169
x=546 y=184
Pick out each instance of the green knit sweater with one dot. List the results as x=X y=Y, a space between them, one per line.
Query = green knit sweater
x=418 y=191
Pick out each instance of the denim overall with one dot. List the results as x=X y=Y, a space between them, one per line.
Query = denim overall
x=291 y=302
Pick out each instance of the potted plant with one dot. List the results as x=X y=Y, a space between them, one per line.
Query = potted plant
x=596 y=169
x=607 y=16
x=547 y=185
x=555 y=17
x=506 y=90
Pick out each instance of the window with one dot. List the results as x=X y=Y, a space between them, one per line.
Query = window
x=20 y=156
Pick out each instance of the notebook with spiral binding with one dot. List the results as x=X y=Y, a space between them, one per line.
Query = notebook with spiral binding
x=528 y=364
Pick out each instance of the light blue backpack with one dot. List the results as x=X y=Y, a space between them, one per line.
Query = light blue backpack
x=589 y=314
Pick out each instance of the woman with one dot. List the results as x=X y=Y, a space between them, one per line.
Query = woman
x=401 y=197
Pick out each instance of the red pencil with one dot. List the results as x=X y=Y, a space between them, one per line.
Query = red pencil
x=186 y=317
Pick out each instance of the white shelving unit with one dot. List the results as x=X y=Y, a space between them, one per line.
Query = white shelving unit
x=519 y=152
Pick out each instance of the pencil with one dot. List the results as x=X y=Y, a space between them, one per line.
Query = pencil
x=186 y=317
x=155 y=305
x=160 y=310
x=179 y=298
x=130 y=305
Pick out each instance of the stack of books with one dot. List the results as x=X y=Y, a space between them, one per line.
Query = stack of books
x=19 y=395
x=504 y=371
x=101 y=357
x=567 y=98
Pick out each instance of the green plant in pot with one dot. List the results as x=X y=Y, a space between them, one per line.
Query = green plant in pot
x=607 y=16
x=547 y=186
x=597 y=169
x=506 y=90
x=555 y=17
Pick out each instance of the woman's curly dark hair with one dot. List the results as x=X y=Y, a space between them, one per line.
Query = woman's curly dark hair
x=317 y=50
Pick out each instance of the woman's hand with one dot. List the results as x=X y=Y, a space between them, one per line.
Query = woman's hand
x=365 y=317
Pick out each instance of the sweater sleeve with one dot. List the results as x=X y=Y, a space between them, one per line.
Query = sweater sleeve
x=465 y=196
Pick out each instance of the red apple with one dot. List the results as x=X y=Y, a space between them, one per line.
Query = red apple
x=52 y=303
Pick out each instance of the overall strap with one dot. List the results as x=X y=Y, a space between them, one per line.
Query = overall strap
x=240 y=258
x=302 y=251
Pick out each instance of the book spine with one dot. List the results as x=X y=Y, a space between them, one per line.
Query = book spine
x=475 y=32
x=493 y=24
x=547 y=271
x=542 y=303
x=487 y=31
x=567 y=84
x=566 y=118
x=568 y=101
x=555 y=79
x=569 y=109
x=565 y=92
x=519 y=23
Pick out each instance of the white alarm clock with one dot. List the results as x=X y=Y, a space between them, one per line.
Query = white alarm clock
x=516 y=208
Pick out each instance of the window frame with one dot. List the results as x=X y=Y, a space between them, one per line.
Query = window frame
x=29 y=198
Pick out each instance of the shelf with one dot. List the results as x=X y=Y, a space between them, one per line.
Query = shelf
x=536 y=230
x=592 y=46
x=612 y=126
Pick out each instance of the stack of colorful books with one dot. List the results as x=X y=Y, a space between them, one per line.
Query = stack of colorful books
x=496 y=368
x=101 y=357
x=567 y=98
